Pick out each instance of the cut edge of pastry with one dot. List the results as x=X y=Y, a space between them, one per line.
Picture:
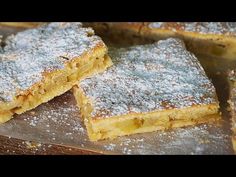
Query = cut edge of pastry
x=112 y=127
x=57 y=82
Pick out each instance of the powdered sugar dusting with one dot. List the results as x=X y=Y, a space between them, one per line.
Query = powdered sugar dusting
x=156 y=25
x=56 y=117
x=211 y=27
x=163 y=75
x=190 y=140
x=228 y=28
x=30 y=53
x=58 y=122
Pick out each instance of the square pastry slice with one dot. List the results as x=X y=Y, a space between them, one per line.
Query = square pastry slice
x=149 y=87
x=232 y=103
x=217 y=39
x=38 y=64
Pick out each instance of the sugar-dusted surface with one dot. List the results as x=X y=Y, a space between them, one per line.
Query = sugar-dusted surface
x=28 y=54
x=205 y=139
x=58 y=122
x=154 y=77
x=228 y=28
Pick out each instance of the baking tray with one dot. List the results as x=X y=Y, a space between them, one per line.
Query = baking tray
x=58 y=122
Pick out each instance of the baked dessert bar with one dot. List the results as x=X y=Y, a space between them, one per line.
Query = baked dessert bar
x=39 y=64
x=217 y=39
x=149 y=87
x=232 y=103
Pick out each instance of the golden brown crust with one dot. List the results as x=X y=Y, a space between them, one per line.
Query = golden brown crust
x=112 y=127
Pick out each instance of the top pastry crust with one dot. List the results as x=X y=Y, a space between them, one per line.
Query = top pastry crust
x=29 y=55
x=147 y=78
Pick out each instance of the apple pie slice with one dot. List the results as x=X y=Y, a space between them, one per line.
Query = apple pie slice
x=149 y=87
x=38 y=64
x=217 y=39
